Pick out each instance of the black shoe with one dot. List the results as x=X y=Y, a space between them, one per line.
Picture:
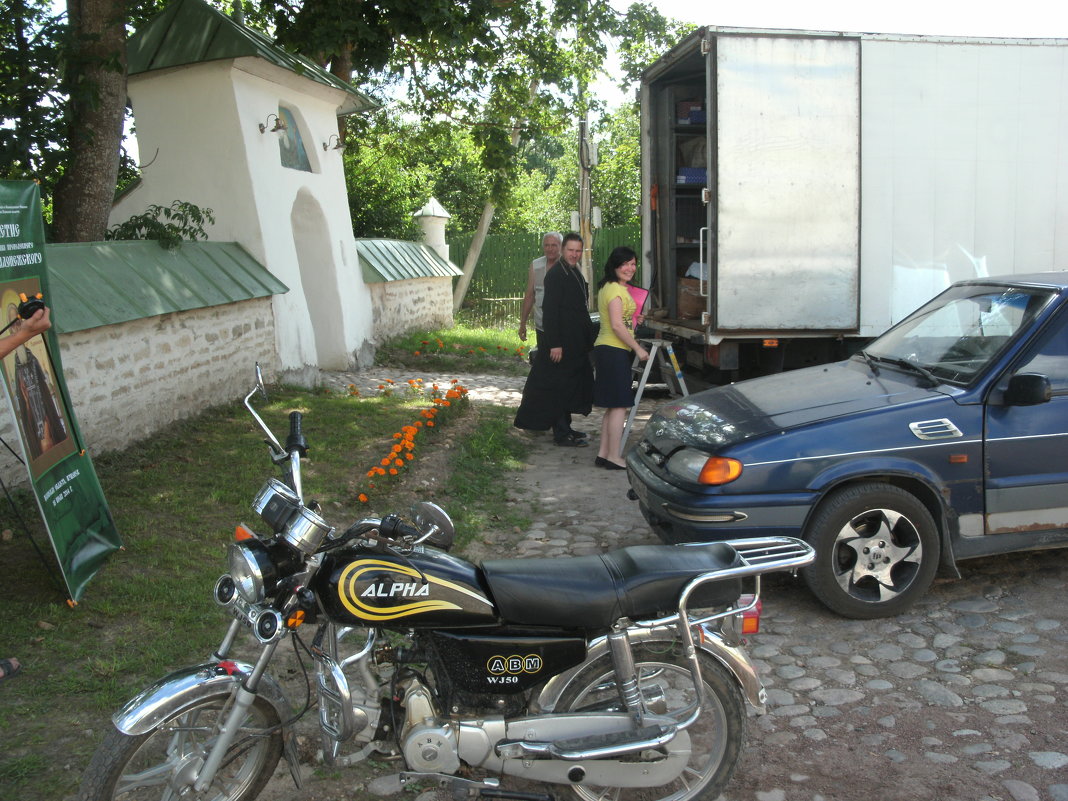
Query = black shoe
x=612 y=466
x=571 y=442
x=577 y=434
x=600 y=461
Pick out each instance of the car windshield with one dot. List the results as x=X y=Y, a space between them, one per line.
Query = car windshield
x=958 y=334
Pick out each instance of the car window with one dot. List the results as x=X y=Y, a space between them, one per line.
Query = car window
x=959 y=333
x=1050 y=356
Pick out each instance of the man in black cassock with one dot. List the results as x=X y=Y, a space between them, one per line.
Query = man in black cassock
x=560 y=382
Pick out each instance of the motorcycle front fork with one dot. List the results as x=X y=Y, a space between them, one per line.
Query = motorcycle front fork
x=235 y=713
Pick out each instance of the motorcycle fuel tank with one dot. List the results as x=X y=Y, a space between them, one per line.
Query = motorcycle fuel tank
x=427 y=588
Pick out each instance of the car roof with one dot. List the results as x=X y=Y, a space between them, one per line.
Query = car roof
x=1053 y=280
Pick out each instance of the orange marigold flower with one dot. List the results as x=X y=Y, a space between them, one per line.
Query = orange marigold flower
x=430 y=423
x=396 y=435
x=361 y=498
x=384 y=461
x=381 y=386
x=390 y=381
x=409 y=456
x=396 y=449
x=371 y=473
x=456 y=381
x=398 y=462
x=393 y=471
x=447 y=403
x=415 y=353
x=380 y=471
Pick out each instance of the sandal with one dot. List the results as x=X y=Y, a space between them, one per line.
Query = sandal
x=10 y=669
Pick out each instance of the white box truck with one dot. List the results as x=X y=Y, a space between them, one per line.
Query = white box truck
x=804 y=190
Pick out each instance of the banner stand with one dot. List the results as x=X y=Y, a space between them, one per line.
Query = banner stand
x=49 y=567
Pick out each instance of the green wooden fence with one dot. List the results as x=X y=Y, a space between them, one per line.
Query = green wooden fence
x=496 y=291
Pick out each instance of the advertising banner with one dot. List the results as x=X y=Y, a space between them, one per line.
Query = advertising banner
x=68 y=493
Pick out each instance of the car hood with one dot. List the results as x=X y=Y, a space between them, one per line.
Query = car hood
x=731 y=414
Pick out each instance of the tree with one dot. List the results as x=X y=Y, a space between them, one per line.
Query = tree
x=617 y=178
x=30 y=99
x=96 y=88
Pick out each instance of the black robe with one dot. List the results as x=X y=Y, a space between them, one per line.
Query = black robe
x=554 y=389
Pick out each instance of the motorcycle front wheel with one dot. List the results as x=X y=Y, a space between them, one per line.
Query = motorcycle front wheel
x=157 y=765
x=716 y=737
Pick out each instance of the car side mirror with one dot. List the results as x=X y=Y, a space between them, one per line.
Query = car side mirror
x=1028 y=389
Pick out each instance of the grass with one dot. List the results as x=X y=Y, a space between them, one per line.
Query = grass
x=176 y=498
x=465 y=348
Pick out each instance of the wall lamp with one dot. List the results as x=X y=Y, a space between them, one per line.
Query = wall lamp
x=279 y=124
x=338 y=144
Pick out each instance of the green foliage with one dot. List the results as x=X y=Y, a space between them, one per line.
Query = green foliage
x=617 y=177
x=169 y=225
x=30 y=95
x=461 y=349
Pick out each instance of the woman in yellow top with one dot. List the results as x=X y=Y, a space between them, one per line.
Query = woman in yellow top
x=612 y=353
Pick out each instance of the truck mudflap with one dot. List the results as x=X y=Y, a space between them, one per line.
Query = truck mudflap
x=181 y=689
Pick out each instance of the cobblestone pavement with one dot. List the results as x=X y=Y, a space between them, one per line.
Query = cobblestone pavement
x=965 y=697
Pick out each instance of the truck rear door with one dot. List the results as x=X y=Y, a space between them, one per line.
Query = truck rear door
x=785 y=216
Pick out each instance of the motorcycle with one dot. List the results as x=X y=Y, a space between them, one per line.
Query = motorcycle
x=620 y=675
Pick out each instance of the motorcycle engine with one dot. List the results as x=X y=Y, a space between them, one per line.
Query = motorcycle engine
x=429 y=743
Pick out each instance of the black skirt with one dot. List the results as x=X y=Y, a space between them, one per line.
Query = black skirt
x=613 y=379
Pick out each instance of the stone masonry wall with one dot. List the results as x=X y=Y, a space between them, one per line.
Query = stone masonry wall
x=412 y=305
x=129 y=380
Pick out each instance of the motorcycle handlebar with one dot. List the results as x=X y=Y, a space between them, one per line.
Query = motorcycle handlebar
x=296 y=441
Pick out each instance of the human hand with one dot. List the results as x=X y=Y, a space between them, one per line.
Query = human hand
x=556 y=354
x=522 y=332
x=642 y=353
x=639 y=319
x=38 y=323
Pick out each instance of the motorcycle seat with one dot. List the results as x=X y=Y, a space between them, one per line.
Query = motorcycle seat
x=592 y=592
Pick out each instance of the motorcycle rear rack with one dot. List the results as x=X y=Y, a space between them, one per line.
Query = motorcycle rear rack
x=757 y=555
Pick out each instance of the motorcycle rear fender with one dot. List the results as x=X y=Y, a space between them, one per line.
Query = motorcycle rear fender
x=178 y=691
x=735 y=659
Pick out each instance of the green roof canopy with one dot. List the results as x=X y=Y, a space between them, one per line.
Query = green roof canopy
x=393 y=260
x=191 y=31
x=102 y=283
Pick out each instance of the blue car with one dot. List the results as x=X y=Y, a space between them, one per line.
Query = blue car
x=944 y=439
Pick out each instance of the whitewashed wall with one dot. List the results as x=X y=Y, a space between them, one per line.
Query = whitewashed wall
x=128 y=381
x=198 y=135
x=416 y=304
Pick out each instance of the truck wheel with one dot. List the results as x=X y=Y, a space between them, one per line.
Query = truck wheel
x=876 y=551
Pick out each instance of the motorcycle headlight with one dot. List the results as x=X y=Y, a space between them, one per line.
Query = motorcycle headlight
x=252 y=570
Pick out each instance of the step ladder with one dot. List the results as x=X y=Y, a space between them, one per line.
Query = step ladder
x=660 y=353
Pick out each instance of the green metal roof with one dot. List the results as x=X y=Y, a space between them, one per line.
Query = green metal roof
x=191 y=31
x=102 y=283
x=393 y=260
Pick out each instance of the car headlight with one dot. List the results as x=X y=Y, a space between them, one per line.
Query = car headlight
x=700 y=468
x=252 y=570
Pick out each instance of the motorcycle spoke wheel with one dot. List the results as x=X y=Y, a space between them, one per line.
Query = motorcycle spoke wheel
x=716 y=738
x=155 y=766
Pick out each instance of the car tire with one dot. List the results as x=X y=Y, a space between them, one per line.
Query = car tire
x=877 y=550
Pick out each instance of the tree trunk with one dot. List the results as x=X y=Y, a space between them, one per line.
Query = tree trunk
x=96 y=70
x=484 y=221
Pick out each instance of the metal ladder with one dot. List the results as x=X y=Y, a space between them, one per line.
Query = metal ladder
x=660 y=352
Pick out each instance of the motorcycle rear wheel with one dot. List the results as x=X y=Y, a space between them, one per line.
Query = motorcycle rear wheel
x=716 y=737
x=143 y=767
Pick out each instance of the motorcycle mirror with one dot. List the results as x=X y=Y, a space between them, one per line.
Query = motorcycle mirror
x=435 y=523
x=260 y=386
